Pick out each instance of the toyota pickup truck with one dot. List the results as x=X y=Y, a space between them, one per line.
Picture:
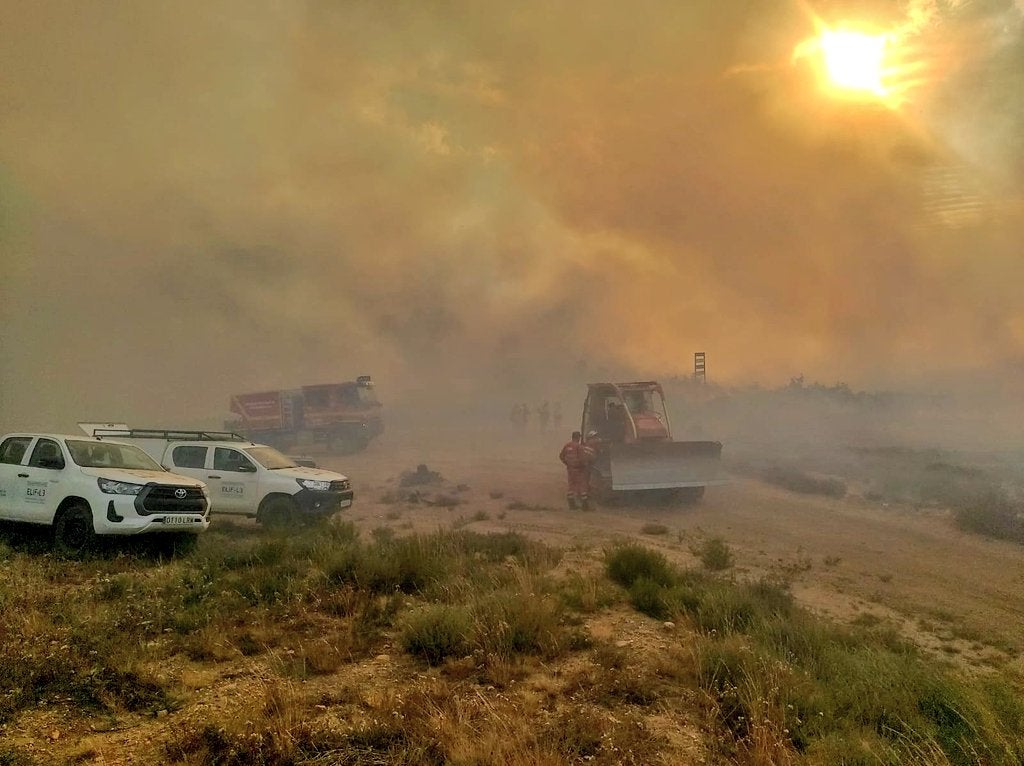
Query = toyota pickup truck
x=244 y=478
x=84 y=487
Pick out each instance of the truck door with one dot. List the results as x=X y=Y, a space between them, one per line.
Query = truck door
x=38 y=490
x=233 y=481
x=12 y=453
x=189 y=460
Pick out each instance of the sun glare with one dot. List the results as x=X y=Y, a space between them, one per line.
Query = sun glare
x=855 y=61
x=854 y=64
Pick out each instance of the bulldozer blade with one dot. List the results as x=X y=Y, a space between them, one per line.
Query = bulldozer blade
x=665 y=465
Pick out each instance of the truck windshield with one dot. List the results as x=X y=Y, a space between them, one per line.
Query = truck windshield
x=270 y=458
x=111 y=455
x=640 y=402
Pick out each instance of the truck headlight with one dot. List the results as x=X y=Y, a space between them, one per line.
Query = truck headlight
x=111 y=487
x=314 y=484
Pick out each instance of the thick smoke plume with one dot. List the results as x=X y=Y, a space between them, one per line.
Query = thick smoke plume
x=198 y=198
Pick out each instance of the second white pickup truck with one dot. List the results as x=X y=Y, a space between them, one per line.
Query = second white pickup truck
x=243 y=478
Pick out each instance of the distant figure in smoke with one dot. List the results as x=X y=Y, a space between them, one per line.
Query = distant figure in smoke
x=524 y=415
x=556 y=415
x=544 y=416
x=577 y=458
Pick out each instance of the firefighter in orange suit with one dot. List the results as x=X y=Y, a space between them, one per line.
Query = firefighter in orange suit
x=577 y=458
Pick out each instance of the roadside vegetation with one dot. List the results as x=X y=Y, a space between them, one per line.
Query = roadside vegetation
x=788 y=687
x=459 y=647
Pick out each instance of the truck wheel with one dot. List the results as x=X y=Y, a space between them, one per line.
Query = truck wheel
x=277 y=512
x=73 y=533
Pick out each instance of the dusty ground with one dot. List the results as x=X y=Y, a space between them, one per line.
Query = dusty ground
x=958 y=595
x=948 y=589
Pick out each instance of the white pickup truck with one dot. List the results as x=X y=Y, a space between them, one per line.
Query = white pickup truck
x=85 y=487
x=244 y=478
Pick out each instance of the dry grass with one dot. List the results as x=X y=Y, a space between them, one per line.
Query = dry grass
x=488 y=659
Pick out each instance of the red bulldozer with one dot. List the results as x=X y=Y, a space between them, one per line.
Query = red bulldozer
x=628 y=425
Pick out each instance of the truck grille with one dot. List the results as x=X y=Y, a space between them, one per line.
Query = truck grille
x=162 y=498
x=341 y=486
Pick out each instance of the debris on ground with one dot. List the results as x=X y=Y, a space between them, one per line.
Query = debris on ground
x=422 y=475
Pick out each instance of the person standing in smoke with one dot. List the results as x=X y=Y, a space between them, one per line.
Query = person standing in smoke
x=544 y=416
x=556 y=415
x=577 y=458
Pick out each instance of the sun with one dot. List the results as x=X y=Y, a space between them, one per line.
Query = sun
x=851 y=63
x=855 y=61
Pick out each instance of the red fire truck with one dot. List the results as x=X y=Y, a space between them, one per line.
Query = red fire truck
x=337 y=416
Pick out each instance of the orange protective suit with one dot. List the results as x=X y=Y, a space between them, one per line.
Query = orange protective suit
x=577 y=458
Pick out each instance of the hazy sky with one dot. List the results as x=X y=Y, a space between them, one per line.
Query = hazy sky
x=206 y=196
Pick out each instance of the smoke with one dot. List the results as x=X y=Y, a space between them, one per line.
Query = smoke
x=198 y=198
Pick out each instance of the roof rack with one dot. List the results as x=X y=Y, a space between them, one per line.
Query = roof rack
x=174 y=434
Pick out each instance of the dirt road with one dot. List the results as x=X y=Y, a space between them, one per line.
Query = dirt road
x=849 y=558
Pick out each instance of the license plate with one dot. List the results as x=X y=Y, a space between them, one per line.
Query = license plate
x=177 y=520
x=344 y=503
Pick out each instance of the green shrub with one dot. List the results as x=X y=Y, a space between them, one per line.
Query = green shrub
x=650 y=598
x=436 y=632
x=627 y=563
x=501 y=546
x=726 y=609
x=715 y=554
x=509 y=623
x=587 y=595
x=404 y=564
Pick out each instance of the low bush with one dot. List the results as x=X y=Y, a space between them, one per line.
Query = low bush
x=586 y=594
x=627 y=563
x=650 y=598
x=715 y=554
x=436 y=632
x=506 y=623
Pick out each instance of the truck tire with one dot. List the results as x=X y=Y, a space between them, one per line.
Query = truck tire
x=277 y=511
x=73 y=532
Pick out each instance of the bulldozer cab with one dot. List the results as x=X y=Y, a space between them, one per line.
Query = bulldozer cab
x=625 y=413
